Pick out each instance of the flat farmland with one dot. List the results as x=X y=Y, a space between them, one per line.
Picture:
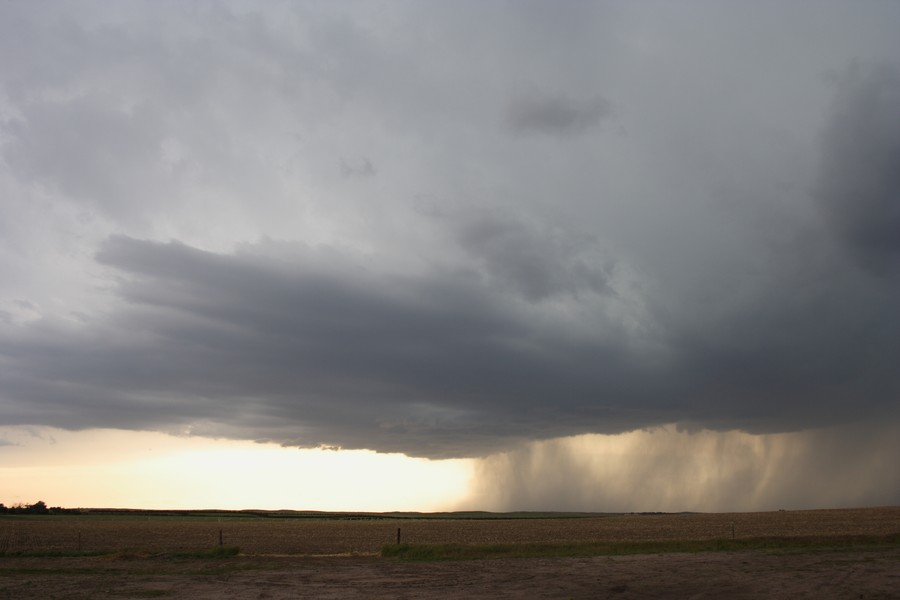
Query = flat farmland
x=336 y=536
x=290 y=558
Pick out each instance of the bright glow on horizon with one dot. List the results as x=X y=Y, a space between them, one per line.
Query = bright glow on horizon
x=138 y=469
x=663 y=469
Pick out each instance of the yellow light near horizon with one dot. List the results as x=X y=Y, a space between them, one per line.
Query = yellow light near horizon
x=665 y=469
x=114 y=468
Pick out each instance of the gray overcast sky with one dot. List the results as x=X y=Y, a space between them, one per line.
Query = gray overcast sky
x=445 y=228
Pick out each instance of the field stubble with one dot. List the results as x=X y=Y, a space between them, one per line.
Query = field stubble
x=90 y=533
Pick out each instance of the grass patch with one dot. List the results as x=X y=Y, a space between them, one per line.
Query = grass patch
x=205 y=553
x=52 y=553
x=217 y=552
x=48 y=571
x=127 y=554
x=434 y=552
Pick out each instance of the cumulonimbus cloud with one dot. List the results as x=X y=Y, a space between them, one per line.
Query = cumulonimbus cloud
x=697 y=268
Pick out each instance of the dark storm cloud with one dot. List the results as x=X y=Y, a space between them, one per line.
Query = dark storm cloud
x=564 y=281
x=431 y=365
x=320 y=347
x=859 y=181
x=536 y=261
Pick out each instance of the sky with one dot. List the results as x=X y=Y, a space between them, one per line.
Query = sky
x=430 y=255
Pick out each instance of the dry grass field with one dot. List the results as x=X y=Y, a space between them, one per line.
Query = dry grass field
x=328 y=536
x=44 y=557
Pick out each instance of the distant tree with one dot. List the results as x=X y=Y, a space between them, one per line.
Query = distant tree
x=3 y=508
x=38 y=508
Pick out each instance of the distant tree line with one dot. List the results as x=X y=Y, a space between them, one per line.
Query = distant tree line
x=38 y=508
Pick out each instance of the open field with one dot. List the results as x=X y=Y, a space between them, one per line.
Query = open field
x=330 y=536
x=334 y=558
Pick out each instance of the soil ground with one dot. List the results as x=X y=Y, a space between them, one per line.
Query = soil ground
x=864 y=573
x=330 y=559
